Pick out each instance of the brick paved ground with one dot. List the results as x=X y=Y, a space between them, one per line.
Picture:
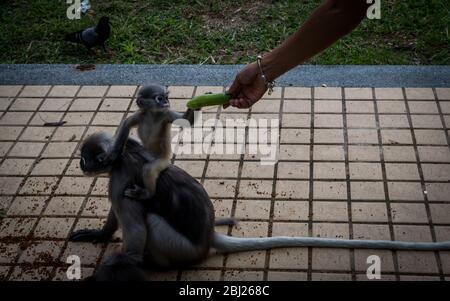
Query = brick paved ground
x=368 y=163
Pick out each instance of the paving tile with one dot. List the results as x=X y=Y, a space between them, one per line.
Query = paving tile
x=15 y=118
x=329 y=152
x=412 y=233
x=357 y=136
x=100 y=187
x=328 y=121
x=5 y=103
x=59 y=149
x=39 y=185
x=393 y=121
x=297 y=92
x=222 y=169
x=37 y=134
x=443 y=93
x=42 y=117
x=396 y=136
x=220 y=188
x=330 y=259
x=289 y=258
x=365 y=171
x=50 y=227
x=222 y=207
x=250 y=229
x=252 y=209
x=85 y=104
x=34 y=91
x=430 y=137
x=275 y=94
x=289 y=229
x=16 y=227
x=330 y=230
x=294 y=152
x=31 y=205
x=330 y=190
x=329 y=170
x=294 y=136
x=421 y=107
x=442 y=233
x=388 y=93
x=263 y=105
x=256 y=170
x=121 y=91
x=25 y=104
x=399 y=153
x=417 y=262
x=55 y=104
x=388 y=106
x=358 y=93
x=419 y=93
x=243 y=275
x=26 y=149
x=291 y=170
x=289 y=189
x=208 y=89
x=9 y=185
x=49 y=167
x=254 y=259
x=9 y=251
x=386 y=258
x=64 y=205
x=358 y=106
x=330 y=211
x=16 y=166
x=89 y=223
x=194 y=168
x=297 y=106
x=360 y=121
x=107 y=119
x=330 y=277
x=327 y=93
x=434 y=153
x=4 y=148
x=437 y=172
x=363 y=153
x=61 y=274
x=426 y=121
x=438 y=191
x=440 y=213
x=371 y=232
x=9 y=90
x=92 y=91
x=69 y=133
x=44 y=252
x=328 y=136
x=10 y=132
x=89 y=252
x=200 y=275
x=26 y=273
x=255 y=188
x=296 y=120
x=402 y=171
x=405 y=191
x=63 y=91
x=287 y=276
x=74 y=185
x=409 y=213
x=115 y=104
x=369 y=212
x=290 y=210
x=367 y=190
x=328 y=106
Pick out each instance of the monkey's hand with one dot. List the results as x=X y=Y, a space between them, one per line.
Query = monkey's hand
x=137 y=193
x=89 y=235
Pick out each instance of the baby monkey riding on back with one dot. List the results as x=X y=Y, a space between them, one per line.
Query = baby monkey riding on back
x=154 y=122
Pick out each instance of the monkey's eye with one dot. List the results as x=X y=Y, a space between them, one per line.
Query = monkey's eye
x=159 y=98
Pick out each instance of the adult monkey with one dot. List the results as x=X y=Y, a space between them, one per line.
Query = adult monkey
x=175 y=227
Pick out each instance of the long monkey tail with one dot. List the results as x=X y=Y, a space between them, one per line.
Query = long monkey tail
x=228 y=244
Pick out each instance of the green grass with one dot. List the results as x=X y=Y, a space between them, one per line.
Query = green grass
x=218 y=32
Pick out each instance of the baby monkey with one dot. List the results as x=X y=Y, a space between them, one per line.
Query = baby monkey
x=153 y=121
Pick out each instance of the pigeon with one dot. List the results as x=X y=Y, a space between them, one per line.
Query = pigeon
x=92 y=36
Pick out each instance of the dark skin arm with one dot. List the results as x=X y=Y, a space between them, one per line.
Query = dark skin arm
x=327 y=24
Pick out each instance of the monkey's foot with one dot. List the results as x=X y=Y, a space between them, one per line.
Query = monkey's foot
x=137 y=193
x=94 y=236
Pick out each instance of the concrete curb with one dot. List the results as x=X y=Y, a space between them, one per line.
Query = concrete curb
x=222 y=75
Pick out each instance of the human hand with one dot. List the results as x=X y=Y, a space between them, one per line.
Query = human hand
x=248 y=87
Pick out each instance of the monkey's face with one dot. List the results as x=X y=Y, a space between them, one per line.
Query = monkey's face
x=153 y=98
x=93 y=154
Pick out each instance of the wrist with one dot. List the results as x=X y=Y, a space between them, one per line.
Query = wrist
x=268 y=66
